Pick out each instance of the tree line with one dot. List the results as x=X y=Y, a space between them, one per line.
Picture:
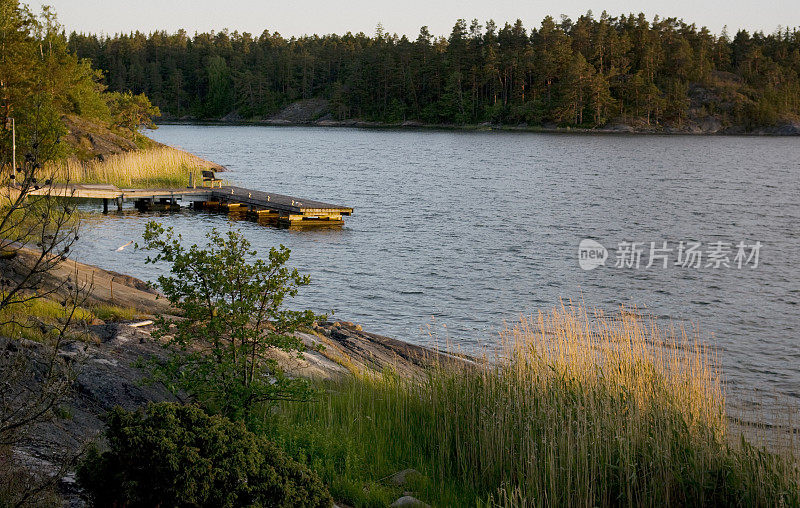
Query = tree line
x=586 y=72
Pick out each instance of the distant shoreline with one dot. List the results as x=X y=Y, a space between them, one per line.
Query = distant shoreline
x=787 y=130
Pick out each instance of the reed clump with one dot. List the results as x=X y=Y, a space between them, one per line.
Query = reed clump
x=162 y=166
x=577 y=408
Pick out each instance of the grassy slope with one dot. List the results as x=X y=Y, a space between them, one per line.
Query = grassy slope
x=120 y=158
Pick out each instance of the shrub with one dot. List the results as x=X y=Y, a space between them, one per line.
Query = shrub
x=176 y=455
x=235 y=317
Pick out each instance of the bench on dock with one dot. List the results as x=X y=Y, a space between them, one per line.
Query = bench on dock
x=209 y=177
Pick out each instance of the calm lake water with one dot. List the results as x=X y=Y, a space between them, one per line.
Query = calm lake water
x=456 y=232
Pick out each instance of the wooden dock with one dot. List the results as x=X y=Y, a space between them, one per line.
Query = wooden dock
x=265 y=207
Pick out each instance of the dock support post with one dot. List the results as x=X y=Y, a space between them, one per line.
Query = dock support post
x=119 y=204
x=105 y=205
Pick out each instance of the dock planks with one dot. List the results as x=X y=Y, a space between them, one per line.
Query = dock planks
x=266 y=206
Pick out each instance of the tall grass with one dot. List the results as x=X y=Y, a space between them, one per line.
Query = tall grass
x=577 y=409
x=154 y=167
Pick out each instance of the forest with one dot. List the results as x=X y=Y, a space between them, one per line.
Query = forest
x=588 y=72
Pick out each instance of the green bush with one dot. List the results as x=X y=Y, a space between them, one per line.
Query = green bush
x=175 y=455
x=234 y=313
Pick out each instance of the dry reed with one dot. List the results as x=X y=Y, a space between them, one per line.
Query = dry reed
x=577 y=409
x=155 y=167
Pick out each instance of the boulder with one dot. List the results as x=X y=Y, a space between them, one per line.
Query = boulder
x=402 y=477
x=409 y=501
x=789 y=129
x=231 y=117
x=619 y=127
x=710 y=125
x=301 y=112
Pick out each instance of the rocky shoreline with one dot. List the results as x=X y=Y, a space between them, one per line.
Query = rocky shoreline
x=315 y=113
x=104 y=360
x=710 y=128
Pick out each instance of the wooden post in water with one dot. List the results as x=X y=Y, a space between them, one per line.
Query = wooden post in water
x=105 y=205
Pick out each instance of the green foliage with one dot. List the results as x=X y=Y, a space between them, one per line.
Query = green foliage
x=42 y=80
x=234 y=315
x=219 y=88
x=86 y=95
x=37 y=76
x=132 y=111
x=583 y=72
x=174 y=455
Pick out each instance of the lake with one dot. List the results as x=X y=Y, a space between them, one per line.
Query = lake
x=456 y=233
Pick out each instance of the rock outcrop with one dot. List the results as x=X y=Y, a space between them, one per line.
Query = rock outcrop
x=92 y=140
x=301 y=112
x=105 y=360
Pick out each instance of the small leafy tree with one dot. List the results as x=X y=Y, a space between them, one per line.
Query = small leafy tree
x=132 y=111
x=174 y=455
x=232 y=316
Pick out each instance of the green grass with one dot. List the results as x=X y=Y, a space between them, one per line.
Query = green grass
x=114 y=313
x=37 y=319
x=578 y=410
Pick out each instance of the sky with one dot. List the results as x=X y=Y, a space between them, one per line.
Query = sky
x=401 y=17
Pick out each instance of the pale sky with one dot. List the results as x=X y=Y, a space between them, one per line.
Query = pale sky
x=401 y=17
